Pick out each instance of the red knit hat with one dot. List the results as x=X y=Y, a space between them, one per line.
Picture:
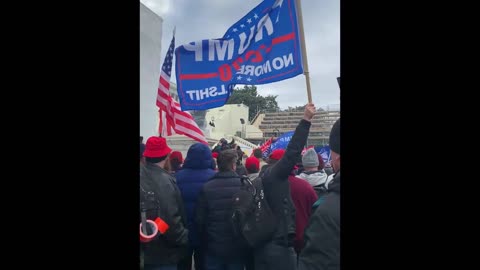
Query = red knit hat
x=215 y=154
x=177 y=155
x=252 y=164
x=156 y=147
x=277 y=154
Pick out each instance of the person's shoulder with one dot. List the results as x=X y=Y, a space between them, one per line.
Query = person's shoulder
x=299 y=181
x=181 y=173
x=212 y=181
x=329 y=205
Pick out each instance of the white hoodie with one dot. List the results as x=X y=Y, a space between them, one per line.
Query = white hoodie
x=314 y=178
x=329 y=179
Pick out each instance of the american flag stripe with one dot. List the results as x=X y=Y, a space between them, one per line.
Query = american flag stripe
x=165 y=125
x=185 y=122
x=266 y=148
x=172 y=119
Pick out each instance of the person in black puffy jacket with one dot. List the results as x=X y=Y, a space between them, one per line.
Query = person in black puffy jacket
x=223 y=250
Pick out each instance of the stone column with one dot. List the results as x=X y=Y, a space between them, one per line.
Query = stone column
x=201 y=121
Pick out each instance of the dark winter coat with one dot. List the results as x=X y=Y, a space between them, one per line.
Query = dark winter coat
x=277 y=187
x=170 y=247
x=196 y=171
x=278 y=254
x=322 y=235
x=214 y=208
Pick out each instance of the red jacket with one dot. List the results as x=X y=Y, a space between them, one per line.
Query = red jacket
x=303 y=197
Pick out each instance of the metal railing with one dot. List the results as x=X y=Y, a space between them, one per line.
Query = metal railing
x=241 y=141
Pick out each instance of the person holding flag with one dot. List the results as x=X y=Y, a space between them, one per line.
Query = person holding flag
x=279 y=253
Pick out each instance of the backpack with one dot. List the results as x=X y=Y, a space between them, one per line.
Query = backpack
x=252 y=218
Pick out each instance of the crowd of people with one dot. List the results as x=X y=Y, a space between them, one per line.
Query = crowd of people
x=186 y=205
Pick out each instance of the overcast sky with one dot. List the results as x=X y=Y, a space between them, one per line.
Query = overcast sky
x=206 y=19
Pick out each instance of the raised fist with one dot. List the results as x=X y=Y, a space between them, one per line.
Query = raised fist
x=310 y=111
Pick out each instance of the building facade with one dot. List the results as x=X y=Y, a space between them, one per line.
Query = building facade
x=150 y=61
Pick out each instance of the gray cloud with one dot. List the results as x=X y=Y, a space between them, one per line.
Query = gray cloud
x=204 y=19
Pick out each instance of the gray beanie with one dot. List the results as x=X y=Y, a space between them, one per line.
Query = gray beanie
x=310 y=158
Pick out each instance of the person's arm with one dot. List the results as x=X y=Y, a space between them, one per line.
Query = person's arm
x=285 y=165
x=176 y=234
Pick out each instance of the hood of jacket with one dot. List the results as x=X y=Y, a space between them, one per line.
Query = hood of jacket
x=199 y=156
x=315 y=178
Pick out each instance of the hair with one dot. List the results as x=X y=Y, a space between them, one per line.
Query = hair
x=175 y=164
x=155 y=159
x=271 y=161
x=252 y=168
x=176 y=160
x=257 y=153
x=167 y=166
x=226 y=159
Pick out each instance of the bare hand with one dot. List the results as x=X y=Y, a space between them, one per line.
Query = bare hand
x=310 y=111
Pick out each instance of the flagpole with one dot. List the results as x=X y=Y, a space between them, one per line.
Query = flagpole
x=304 y=49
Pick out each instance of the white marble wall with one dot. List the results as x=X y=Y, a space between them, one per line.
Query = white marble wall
x=150 y=60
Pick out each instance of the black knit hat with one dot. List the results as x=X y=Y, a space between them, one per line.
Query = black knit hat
x=334 y=141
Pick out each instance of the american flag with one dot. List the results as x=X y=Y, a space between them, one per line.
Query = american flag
x=172 y=119
x=266 y=149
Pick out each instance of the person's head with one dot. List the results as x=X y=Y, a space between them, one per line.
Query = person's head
x=334 y=143
x=252 y=164
x=240 y=155
x=157 y=152
x=227 y=160
x=141 y=139
x=275 y=156
x=176 y=160
x=310 y=160
x=199 y=157
x=257 y=153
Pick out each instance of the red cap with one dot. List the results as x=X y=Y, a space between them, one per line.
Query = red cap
x=252 y=163
x=215 y=154
x=156 y=147
x=277 y=154
x=177 y=155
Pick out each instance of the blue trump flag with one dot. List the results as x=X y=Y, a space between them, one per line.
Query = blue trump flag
x=262 y=47
x=282 y=141
x=325 y=153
